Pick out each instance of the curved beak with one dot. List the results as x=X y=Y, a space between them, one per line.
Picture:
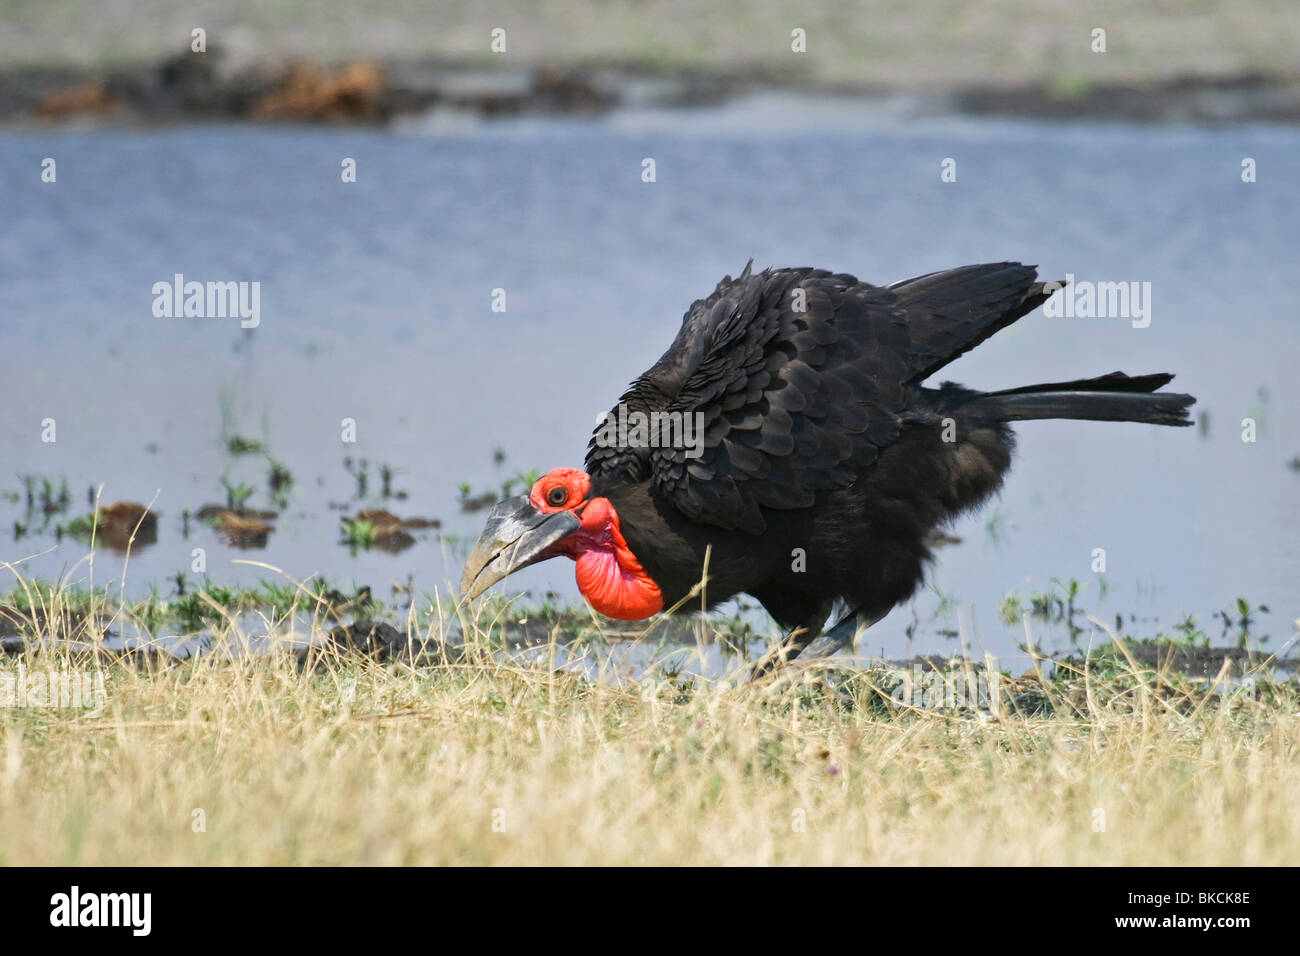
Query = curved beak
x=516 y=535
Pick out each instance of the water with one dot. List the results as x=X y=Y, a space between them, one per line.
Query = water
x=376 y=306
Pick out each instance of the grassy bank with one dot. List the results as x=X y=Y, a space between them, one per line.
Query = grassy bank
x=119 y=61
x=885 y=43
x=392 y=747
x=258 y=761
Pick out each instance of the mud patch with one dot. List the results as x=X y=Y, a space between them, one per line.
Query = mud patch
x=245 y=528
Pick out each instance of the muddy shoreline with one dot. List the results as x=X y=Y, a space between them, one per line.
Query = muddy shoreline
x=210 y=87
x=384 y=643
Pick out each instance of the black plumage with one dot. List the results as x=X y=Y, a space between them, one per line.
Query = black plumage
x=820 y=440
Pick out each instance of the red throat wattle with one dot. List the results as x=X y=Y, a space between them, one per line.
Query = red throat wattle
x=609 y=575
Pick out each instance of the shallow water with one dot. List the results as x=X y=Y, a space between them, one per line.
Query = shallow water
x=376 y=306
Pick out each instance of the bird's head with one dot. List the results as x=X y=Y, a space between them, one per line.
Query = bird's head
x=560 y=517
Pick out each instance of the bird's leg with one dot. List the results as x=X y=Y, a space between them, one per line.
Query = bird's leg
x=849 y=628
x=800 y=644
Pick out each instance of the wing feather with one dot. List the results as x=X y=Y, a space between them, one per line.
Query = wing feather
x=799 y=378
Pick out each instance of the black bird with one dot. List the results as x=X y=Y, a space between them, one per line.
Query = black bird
x=791 y=441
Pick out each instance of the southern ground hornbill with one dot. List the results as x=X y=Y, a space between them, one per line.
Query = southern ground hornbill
x=823 y=465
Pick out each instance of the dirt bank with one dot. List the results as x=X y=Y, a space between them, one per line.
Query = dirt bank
x=190 y=87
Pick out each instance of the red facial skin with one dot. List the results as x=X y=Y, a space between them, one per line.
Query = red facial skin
x=609 y=575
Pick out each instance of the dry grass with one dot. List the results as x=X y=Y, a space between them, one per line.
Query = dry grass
x=484 y=762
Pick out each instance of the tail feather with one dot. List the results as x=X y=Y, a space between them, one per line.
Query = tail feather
x=1112 y=382
x=951 y=312
x=1108 y=398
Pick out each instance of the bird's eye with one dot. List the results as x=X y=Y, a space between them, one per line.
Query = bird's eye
x=557 y=496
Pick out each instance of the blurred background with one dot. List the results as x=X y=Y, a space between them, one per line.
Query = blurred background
x=502 y=147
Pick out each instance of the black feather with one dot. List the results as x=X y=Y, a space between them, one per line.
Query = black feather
x=820 y=440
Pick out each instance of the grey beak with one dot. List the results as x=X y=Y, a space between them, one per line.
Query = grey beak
x=515 y=536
